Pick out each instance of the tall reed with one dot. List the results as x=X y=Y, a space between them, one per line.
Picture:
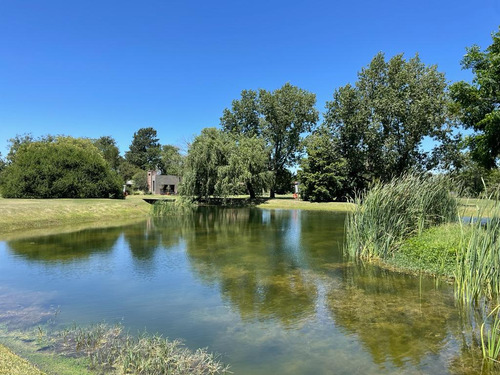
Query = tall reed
x=477 y=272
x=389 y=213
x=490 y=336
x=180 y=206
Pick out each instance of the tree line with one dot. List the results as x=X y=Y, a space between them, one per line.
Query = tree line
x=371 y=130
x=67 y=167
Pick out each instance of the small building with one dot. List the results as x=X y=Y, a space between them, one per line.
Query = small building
x=163 y=183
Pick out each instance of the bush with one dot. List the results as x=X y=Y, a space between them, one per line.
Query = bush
x=61 y=167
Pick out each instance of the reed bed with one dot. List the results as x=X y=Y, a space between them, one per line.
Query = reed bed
x=180 y=206
x=396 y=219
x=490 y=336
x=477 y=272
x=390 y=213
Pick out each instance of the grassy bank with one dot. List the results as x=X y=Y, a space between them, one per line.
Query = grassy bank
x=22 y=217
x=12 y=364
x=288 y=203
x=29 y=217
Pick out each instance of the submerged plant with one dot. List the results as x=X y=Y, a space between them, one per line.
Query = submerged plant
x=390 y=213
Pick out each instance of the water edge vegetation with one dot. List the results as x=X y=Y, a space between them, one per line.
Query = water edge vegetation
x=414 y=223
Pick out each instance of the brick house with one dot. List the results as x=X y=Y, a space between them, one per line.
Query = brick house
x=163 y=183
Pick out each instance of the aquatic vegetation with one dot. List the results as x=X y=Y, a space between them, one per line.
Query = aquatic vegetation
x=180 y=206
x=477 y=272
x=109 y=348
x=390 y=213
x=490 y=336
x=433 y=251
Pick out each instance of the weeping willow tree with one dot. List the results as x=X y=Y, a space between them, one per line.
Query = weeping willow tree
x=221 y=164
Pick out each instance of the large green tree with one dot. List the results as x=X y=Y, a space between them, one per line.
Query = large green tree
x=59 y=167
x=222 y=164
x=477 y=104
x=322 y=173
x=279 y=117
x=207 y=153
x=246 y=167
x=109 y=150
x=378 y=124
x=171 y=160
x=144 y=151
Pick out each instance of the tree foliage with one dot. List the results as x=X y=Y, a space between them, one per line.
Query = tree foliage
x=126 y=170
x=221 y=164
x=140 y=179
x=109 y=150
x=378 y=124
x=323 y=173
x=279 y=117
x=59 y=167
x=144 y=151
x=208 y=152
x=246 y=167
x=171 y=160
x=477 y=105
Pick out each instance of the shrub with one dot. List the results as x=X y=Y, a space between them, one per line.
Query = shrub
x=61 y=167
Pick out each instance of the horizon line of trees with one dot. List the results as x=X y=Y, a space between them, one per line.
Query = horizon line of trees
x=372 y=130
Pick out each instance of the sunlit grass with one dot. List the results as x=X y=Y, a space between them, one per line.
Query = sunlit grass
x=21 y=216
x=109 y=348
x=12 y=364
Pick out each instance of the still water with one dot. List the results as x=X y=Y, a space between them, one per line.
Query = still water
x=269 y=290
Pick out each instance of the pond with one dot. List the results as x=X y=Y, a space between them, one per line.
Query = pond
x=269 y=290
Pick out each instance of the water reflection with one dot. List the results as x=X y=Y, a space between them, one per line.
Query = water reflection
x=254 y=260
x=398 y=318
x=66 y=247
x=278 y=275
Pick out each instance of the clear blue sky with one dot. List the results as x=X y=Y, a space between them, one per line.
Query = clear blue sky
x=92 y=68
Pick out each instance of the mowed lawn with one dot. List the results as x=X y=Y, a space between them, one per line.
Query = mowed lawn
x=19 y=216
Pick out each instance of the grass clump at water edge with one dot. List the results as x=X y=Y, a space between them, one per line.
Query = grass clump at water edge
x=180 y=206
x=477 y=271
x=490 y=336
x=390 y=213
x=110 y=350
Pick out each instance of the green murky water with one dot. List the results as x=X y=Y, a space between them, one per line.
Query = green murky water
x=268 y=290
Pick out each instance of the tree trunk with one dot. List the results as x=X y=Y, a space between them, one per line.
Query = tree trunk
x=272 y=193
x=251 y=190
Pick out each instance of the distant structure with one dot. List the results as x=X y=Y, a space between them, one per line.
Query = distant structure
x=165 y=184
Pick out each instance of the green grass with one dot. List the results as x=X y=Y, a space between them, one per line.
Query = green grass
x=287 y=202
x=12 y=364
x=25 y=217
x=477 y=273
x=490 y=335
x=476 y=206
x=433 y=251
